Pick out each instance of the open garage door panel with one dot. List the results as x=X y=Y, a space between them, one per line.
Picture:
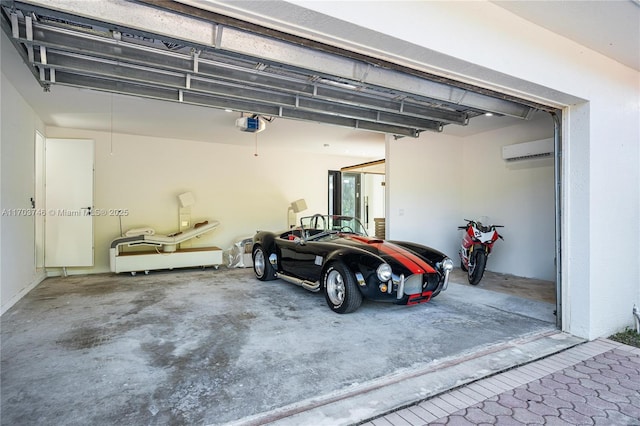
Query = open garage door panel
x=183 y=54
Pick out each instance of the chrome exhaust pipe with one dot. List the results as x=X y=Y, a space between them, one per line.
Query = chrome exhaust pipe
x=307 y=285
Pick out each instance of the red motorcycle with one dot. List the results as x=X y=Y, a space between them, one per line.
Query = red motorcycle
x=477 y=243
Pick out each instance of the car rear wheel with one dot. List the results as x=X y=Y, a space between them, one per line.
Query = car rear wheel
x=261 y=266
x=340 y=289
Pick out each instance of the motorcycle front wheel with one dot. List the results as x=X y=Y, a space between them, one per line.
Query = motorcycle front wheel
x=476 y=271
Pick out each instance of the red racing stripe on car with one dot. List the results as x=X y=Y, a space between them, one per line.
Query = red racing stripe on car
x=402 y=255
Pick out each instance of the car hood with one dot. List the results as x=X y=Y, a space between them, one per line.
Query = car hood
x=394 y=254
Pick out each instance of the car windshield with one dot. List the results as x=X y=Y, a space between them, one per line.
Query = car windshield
x=322 y=224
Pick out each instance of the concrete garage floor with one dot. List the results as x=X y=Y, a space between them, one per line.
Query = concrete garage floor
x=527 y=288
x=218 y=346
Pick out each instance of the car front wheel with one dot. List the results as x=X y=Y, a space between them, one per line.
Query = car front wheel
x=340 y=289
x=261 y=266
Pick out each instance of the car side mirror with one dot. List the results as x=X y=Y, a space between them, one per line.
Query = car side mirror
x=299 y=241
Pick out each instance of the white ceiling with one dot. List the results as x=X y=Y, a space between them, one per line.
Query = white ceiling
x=609 y=27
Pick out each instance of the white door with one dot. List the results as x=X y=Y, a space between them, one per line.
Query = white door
x=69 y=200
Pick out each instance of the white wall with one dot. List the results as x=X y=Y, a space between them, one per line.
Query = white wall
x=18 y=124
x=424 y=180
x=244 y=192
x=494 y=48
x=466 y=178
x=518 y=195
x=439 y=180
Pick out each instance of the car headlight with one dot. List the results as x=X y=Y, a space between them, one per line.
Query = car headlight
x=384 y=272
x=447 y=264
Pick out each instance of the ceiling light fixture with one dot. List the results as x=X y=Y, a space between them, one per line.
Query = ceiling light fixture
x=341 y=84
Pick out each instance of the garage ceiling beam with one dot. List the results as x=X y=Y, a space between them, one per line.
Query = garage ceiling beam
x=105 y=46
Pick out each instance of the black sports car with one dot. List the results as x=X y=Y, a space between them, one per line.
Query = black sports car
x=334 y=253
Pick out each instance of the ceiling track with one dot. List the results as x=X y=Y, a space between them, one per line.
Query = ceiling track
x=285 y=80
x=210 y=78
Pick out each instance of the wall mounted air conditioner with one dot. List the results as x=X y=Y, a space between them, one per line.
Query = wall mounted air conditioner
x=528 y=150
